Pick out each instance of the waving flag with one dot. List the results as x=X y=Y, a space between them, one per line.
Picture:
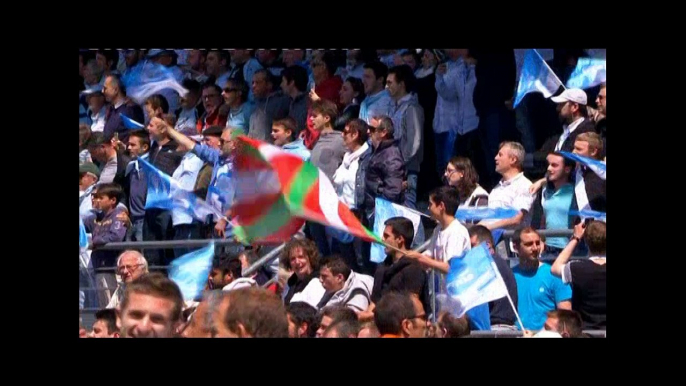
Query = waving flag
x=291 y=190
x=165 y=193
x=598 y=167
x=83 y=237
x=190 y=271
x=149 y=79
x=383 y=210
x=589 y=72
x=536 y=76
x=130 y=123
x=484 y=213
x=473 y=280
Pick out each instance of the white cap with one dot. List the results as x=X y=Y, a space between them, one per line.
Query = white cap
x=572 y=95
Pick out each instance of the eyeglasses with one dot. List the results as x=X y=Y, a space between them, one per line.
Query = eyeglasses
x=420 y=316
x=210 y=96
x=228 y=90
x=129 y=268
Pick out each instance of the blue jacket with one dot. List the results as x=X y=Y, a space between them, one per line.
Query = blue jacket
x=298 y=148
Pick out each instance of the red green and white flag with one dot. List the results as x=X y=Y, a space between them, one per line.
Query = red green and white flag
x=277 y=191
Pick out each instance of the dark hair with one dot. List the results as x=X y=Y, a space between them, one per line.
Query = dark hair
x=143 y=135
x=109 y=316
x=309 y=248
x=260 y=312
x=213 y=86
x=380 y=69
x=156 y=285
x=228 y=263
x=110 y=56
x=517 y=236
x=250 y=255
x=223 y=55
x=454 y=327
x=568 y=323
x=110 y=190
x=358 y=87
x=344 y=328
x=296 y=74
x=401 y=226
x=447 y=195
x=482 y=234
x=392 y=309
x=469 y=181
x=337 y=266
x=192 y=85
x=327 y=108
x=338 y=313
x=241 y=86
x=360 y=127
x=404 y=74
x=415 y=55
x=158 y=101
x=288 y=123
x=302 y=312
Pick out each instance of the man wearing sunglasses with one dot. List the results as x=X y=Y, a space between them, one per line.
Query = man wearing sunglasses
x=235 y=96
x=400 y=315
x=130 y=266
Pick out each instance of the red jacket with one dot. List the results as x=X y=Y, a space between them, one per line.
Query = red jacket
x=214 y=119
x=328 y=90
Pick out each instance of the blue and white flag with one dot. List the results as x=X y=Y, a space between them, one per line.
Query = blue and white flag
x=384 y=210
x=601 y=216
x=598 y=167
x=149 y=79
x=130 y=123
x=589 y=72
x=536 y=76
x=472 y=280
x=83 y=237
x=485 y=213
x=165 y=193
x=190 y=271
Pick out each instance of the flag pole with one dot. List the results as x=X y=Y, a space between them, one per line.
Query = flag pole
x=551 y=70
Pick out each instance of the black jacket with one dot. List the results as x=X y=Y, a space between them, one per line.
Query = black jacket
x=384 y=175
x=405 y=275
x=350 y=112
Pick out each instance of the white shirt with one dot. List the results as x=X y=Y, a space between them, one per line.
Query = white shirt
x=312 y=294
x=478 y=192
x=186 y=175
x=448 y=243
x=187 y=121
x=513 y=194
x=568 y=130
x=344 y=177
x=98 y=120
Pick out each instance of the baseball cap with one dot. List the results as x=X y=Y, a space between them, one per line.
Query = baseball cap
x=572 y=95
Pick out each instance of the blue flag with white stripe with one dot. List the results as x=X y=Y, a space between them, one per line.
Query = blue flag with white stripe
x=165 y=193
x=383 y=210
x=589 y=72
x=589 y=214
x=190 y=271
x=150 y=78
x=484 y=213
x=130 y=123
x=472 y=280
x=83 y=237
x=536 y=76
x=598 y=167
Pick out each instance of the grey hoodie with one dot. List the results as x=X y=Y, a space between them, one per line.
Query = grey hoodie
x=408 y=127
x=359 y=301
x=327 y=154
